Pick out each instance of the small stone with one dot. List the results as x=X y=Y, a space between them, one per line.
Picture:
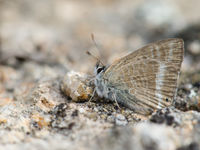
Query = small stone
x=120 y=120
x=120 y=117
x=111 y=119
x=194 y=47
x=163 y=116
x=194 y=101
x=188 y=86
x=77 y=86
x=81 y=110
x=192 y=94
x=95 y=109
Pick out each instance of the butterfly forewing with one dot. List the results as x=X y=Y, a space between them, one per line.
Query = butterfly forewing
x=149 y=74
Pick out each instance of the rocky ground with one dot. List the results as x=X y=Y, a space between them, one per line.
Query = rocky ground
x=43 y=42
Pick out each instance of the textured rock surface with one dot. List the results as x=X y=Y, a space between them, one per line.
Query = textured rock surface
x=46 y=77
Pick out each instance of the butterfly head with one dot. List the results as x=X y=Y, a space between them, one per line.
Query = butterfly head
x=100 y=85
x=99 y=68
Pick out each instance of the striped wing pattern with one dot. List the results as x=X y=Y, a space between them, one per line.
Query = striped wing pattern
x=148 y=74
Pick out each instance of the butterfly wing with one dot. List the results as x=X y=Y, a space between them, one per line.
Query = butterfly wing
x=147 y=78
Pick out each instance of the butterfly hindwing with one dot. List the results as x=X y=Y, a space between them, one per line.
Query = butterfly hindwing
x=149 y=74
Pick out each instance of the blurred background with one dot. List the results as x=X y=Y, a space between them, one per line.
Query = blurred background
x=41 y=40
x=46 y=38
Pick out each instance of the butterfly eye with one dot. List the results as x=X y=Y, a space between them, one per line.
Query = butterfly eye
x=100 y=69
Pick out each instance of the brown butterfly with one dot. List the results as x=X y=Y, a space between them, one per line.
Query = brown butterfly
x=144 y=80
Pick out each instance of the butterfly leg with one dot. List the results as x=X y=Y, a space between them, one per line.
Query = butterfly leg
x=114 y=96
x=93 y=93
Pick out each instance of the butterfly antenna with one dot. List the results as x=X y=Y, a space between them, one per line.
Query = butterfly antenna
x=97 y=47
x=95 y=43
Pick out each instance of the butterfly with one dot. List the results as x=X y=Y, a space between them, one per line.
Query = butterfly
x=144 y=80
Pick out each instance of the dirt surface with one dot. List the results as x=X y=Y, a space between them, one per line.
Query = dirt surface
x=42 y=42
